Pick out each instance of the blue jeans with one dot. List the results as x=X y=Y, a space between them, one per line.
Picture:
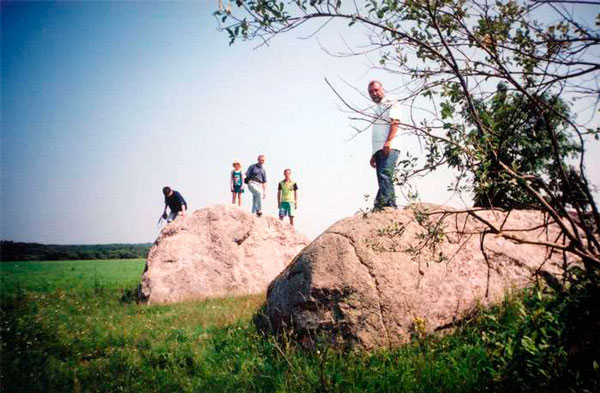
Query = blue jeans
x=385 y=177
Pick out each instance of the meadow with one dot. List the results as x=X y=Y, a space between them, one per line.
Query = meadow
x=76 y=326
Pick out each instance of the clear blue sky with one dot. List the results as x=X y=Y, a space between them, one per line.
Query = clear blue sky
x=104 y=103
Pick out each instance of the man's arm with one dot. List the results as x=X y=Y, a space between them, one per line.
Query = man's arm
x=264 y=185
x=279 y=198
x=296 y=198
x=182 y=203
x=391 y=135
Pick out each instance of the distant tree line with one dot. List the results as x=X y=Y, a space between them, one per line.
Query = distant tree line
x=16 y=251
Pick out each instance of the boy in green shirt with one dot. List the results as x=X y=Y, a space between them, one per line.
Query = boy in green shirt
x=287 y=197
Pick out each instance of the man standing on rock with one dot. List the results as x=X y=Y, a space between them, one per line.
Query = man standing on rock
x=386 y=149
x=256 y=177
x=175 y=202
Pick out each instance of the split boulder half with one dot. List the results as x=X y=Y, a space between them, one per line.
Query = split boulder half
x=217 y=251
x=372 y=281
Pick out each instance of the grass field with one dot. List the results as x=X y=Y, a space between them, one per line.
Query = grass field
x=77 y=276
x=75 y=326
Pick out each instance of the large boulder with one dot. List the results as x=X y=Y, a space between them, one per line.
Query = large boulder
x=374 y=280
x=217 y=251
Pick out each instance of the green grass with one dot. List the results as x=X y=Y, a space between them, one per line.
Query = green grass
x=73 y=326
x=48 y=276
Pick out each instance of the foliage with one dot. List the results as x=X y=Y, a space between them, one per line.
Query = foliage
x=17 y=251
x=87 y=337
x=515 y=137
x=540 y=349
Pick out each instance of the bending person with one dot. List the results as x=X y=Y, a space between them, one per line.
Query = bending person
x=175 y=202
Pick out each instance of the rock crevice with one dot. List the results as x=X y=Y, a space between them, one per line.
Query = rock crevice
x=373 y=276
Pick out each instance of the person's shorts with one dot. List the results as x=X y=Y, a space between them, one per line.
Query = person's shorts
x=238 y=189
x=286 y=209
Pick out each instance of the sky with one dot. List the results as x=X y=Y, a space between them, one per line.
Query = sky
x=104 y=103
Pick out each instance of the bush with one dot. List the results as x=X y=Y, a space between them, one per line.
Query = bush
x=544 y=341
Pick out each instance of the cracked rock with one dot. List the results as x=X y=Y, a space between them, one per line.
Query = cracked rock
x=370 y=281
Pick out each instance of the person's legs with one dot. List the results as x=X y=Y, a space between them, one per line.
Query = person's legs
x=172 y=216
x=255 y=189
x=239 y=199
x=259 y=198
x=291 y=213
x=254 y=197
x=282 y=211
x=233 y=197
x=385 y=178
x=286 y=209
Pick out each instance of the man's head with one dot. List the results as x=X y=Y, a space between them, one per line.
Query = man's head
x=376 y=91
x=287 y=173
x=167 y=191
x=261 y=159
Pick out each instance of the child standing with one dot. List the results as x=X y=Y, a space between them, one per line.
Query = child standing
x=237 y=183
x=287 y=196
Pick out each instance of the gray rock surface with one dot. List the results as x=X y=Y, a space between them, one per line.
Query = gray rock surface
x=217 y=251
x=373 y=281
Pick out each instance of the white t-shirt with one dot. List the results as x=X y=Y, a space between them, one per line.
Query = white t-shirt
x=384 y=111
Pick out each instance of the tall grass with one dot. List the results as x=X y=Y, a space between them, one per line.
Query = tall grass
x=90 y=335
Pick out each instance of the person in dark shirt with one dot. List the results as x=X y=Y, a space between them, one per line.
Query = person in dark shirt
x=175 y=202
x=256 y=178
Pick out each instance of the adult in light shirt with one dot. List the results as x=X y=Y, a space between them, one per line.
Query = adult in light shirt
x=257 y=184
x=386 y=149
